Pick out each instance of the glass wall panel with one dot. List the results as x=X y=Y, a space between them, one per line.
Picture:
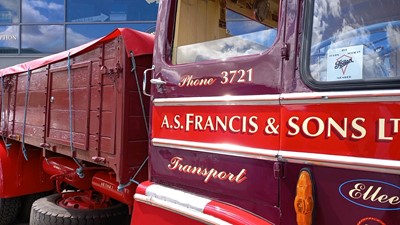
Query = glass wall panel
x=9 y=36
x=111 y=10
x=43 y=11
x=42 y=38
x=9 y=12
x=82 y=33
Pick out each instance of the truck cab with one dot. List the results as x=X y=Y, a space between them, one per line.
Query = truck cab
x=273 y=112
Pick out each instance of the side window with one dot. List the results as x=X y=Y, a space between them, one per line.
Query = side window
x=219 y=29
x=351 y=42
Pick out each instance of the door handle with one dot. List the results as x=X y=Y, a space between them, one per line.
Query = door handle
x=145 y=80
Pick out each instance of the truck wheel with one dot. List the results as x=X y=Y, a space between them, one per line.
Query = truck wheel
x=27 y=202
x=47 y=211
x=9 y=208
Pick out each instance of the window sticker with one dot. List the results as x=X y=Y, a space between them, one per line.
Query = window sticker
x=345 y=63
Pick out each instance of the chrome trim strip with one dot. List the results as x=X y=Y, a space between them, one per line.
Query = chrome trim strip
x=337 y=161
x=175 y=207
x=346 y=162
x=340 y=97
x=179 y=197
x=285 y=99
x=221 y=148
x=219 y=100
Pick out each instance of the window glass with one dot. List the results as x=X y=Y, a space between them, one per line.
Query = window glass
x=111 y=10
x=354 y=41
x=83 y=33
x=42 y=11
x=207 y=29
x=42 y=38
x=9 y=36
x=9 y=12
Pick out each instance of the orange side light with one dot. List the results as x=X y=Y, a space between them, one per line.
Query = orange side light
x=304 y=201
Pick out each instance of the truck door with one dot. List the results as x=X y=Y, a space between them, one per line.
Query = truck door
x=215 y=101
x=340 y=118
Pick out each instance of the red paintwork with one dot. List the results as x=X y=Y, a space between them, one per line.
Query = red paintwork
x=105 y=104
x=109 y=131
x=141 y=189
x=149 y=215
x=20 y=177
x=273 y=76
x=145 y=214
x=84 y=200
x=369 y=146
x=105 y=182
x=63 y=169
x=233 y=215
x=246 y=138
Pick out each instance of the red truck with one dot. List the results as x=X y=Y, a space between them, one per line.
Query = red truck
x=256 y=112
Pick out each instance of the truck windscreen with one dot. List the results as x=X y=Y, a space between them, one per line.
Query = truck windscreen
x=353 y=41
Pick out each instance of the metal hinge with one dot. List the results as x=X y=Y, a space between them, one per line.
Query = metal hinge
x=112 y=73
x=278 y=170
x=285 y=51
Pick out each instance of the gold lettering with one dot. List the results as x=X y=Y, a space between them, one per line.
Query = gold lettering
x=372 y=193
x=395 y=125
x=174 y=163
x=208 y=174
x=165 y=122
x=394 y=200
x=358 y=128
x=342 y=131
x=381 y=131
x=320 y=126
x=241 y=176
x=189 y=81
x=292 y=124
x=356 y=192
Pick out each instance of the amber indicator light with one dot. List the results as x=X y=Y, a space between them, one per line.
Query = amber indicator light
x=304 y=201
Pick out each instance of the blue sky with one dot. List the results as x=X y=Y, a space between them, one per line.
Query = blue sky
x=50 y=37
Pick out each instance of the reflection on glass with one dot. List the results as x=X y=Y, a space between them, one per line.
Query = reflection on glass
x=9 y=36
x=208 y=30
x=81 y=34
x=42 y=38
x=355 y=40
x=9 y=12
x=44 y=11
x=111 y=10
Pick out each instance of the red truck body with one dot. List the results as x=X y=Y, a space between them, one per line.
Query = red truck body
x=256 y=112
x=297 y=124
x=89 y=94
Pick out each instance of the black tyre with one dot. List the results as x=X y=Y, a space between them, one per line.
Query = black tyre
x=9 y=208
x=46 y=211
x=27 y=202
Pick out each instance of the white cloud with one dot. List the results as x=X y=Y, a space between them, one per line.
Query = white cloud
x=13 y=6
x=225 y=48
x=30 y=14
x=46 y=5
x=10 y=30
x=31 y=10
x=45 y=38
x=76 y=39
x=151 y=1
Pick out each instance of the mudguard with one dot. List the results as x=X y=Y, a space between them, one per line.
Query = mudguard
x=158 y=204
x=19 y=176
